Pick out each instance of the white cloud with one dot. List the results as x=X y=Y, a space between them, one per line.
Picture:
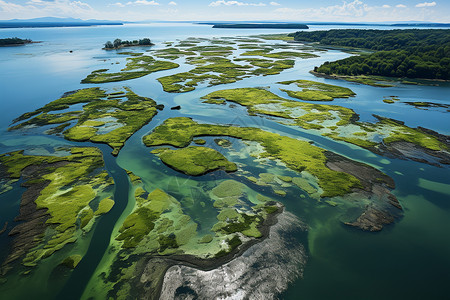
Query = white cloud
x=234 y=3
x=117 y=4
x=386 y=6
x=275 y=3
x=352 y=9
x=400 y=6
x=426 y=4
x=172 y=3
x=143 y=2
x=137 y=2
x=39 y=8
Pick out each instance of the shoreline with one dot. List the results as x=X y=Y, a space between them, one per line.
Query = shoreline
x=203 y=264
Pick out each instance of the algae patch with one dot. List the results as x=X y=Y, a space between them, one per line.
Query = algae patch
x=195 y=161
x=103 y=119
x=57 y=206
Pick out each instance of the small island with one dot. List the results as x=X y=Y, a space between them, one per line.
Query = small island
x=262 y=25
x=14 y=42
x=118 y=43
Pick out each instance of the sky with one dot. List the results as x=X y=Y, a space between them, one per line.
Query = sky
x=232 y=10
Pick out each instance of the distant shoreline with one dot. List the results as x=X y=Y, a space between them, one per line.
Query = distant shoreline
x=261 y=26
x=8 y=25
x=14 y=42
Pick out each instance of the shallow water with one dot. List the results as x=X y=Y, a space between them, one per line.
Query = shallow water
x=406 y=260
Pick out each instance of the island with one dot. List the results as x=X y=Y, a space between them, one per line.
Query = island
x=15 y=41
x=118 y=43
x=262 y=26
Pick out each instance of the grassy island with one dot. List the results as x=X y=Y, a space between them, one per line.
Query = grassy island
x=137 y=66
x=316 y=91
x=180 y=132
x=63 y=197
x=104 y=118
x=213 y=64
x=195 y=161
x=333 y=121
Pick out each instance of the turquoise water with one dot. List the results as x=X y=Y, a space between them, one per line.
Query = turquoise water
x=406 y=260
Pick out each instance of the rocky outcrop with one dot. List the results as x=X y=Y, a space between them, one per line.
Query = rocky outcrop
x=262 y=272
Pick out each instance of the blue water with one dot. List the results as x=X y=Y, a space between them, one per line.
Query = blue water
x=406 y=260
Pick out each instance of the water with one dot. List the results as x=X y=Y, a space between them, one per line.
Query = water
x=405 y=260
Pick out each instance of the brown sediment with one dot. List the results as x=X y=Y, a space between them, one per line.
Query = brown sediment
x=384 y=207
x=149 y=275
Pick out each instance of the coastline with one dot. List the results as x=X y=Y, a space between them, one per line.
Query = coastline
x=159 y=265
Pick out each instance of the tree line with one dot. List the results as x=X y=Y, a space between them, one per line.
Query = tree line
x=13 y=41
x=412 y=53
x=118 y=43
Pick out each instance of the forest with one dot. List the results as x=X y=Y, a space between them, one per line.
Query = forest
x=13 y=42
x=118 y=43
x=411 y=53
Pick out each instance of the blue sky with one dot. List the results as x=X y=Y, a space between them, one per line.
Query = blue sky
x=287 y=10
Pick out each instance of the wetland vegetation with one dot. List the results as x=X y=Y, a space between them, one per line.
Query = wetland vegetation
x=104 y=118
x=201 y=190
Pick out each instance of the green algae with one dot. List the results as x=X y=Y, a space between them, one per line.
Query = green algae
x=137 y=66
x=276 y=37
x=257 y=100
x=70 y=185
x=206 y=239
x=376 y=81
x=133 y=177
x=195 y=160
x=401 y=132
x=304 y=185
x=279 y=55
x=104 y=206
x=317 y=91
x=127 y=116
x=72 y=261
x=157 y=224
x=199 y=141
x=333 y=121
x=179 y=132
x=210 y=71
x=229 y=188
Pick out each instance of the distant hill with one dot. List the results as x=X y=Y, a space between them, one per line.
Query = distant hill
x=54 y=22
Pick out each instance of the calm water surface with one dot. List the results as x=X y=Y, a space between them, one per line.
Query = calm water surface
x=408 y=260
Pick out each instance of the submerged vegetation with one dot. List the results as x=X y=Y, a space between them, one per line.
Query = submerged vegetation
x=194 y=160
x=67 y=190
x=179 y=132
x=212 y=65
x=332 y=121
x=109 y=119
